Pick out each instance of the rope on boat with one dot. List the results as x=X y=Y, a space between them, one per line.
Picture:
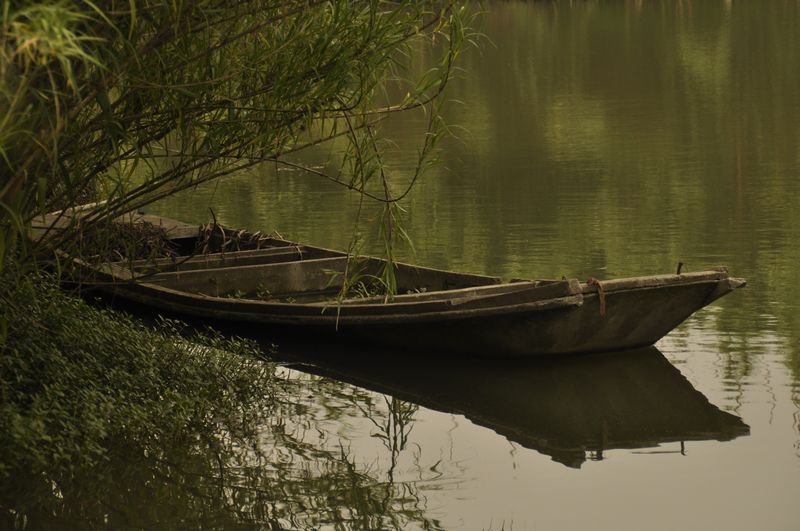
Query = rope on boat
x=601 y=294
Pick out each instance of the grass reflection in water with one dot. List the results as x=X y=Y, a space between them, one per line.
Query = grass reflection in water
x=284 y=476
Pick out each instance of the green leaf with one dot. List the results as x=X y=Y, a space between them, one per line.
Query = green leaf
x=132 y=3
x=3 y=235
x=104 y=102
x=41 y=195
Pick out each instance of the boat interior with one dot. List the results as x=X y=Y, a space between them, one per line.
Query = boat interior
x=248 y=266
x=220 y=262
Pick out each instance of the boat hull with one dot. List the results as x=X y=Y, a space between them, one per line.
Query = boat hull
x=562 y=325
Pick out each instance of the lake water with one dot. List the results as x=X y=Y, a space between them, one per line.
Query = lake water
x=599 y=139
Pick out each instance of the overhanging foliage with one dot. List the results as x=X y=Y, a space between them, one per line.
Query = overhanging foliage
x=130 y=101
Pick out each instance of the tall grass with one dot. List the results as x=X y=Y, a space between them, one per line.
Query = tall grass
x=127 y=102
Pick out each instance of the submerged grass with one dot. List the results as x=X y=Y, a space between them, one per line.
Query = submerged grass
x=110 y=423
x=74 y=377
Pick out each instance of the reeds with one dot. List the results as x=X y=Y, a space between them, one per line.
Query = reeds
x=127 y=102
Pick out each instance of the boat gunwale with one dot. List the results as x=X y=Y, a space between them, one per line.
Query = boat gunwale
x=718 y=273
x=220 y=258
x=255 y=310
x=615 y=285
x=235 y=311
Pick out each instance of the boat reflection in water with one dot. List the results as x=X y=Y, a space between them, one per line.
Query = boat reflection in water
x=570 y=409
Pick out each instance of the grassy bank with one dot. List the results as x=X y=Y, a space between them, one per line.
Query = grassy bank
x=74 y=376
x=110 y=423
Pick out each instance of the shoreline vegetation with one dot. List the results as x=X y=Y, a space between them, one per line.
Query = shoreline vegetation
x=108 y=422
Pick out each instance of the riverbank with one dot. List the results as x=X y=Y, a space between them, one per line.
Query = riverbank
x=108 y=422
x=78 y=380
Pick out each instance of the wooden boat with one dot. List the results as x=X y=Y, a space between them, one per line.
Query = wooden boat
x=233 y=276
x=569 y=409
